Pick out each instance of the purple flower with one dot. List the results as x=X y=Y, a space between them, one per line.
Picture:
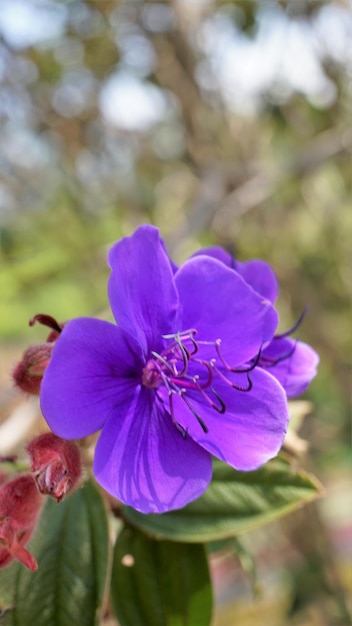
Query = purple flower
x=176 y=381
x=292 y=362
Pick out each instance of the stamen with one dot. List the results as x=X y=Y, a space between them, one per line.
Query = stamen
x=235 y=370
x=209 y=367
x=213 y=405
x=267 y=361
x=194 y=343
x=185 y=356
x=198 y=418
x=184 y=334
x=290 y=331
x=250 y=368
x=171 y=369
x=163 y=361
x=245 y=389
x=222 y=408
x=233 y=385
x=183 y=431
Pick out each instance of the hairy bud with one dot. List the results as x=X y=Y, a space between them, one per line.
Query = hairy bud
x=29 y=372
x=56 y=464
x=20 y=507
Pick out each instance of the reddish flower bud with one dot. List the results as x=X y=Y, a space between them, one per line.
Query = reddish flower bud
x=56 y=464
x=20 y=506
x=29 y=372
x=3 y=477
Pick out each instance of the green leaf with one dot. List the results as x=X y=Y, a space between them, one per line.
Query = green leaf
x=159 y=583
x=71 y=547
x=8 y=577
x=233 y=503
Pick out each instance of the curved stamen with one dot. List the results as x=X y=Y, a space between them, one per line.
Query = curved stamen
x=184 y=334
x=267 y=361
x=198 y=418
x=183 y=431
x=187 y=335
x=171 y=369
x=209 y=367
x=184 y=356
x=220 y=409
x=234 y=385
x=163 y=361
x=250 y=368
x=193 y=341
x=245 y=389
x=295 y=326
x=235 y=370
x=178 y=350
x=166 y=380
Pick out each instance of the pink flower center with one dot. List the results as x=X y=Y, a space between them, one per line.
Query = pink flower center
x=151 y=376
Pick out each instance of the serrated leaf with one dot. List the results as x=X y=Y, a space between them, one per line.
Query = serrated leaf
x=71 y=547
x=159 y=583
x=233 y=503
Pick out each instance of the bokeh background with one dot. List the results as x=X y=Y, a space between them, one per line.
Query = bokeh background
x=222 y=123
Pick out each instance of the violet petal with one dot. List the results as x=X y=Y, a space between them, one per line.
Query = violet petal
x=292 y=362
x=260 y=277
x=93 y=369
x=141 y=288
x=145 y=461
x=216 y=252
x=218 y=303
x=257 y=273
x=250 y=431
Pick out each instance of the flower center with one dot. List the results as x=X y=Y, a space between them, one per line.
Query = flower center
x=182 y=371
x=171 y=366
x=151 y=376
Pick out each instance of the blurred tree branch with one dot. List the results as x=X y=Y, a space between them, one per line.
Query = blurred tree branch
x=216 y=207
x=260 y=187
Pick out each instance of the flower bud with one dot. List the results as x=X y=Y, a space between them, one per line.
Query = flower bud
x=20 y=506
x=56 y=464
x=29 y=372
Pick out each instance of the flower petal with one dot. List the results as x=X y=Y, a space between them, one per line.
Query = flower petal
x=146 y=462
x=93 y=367
x=141 y=288
x=292 y=362
x=260 y=277
x=220 y=305
x=251 y=430
x=216 y=252
x=258 y=274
